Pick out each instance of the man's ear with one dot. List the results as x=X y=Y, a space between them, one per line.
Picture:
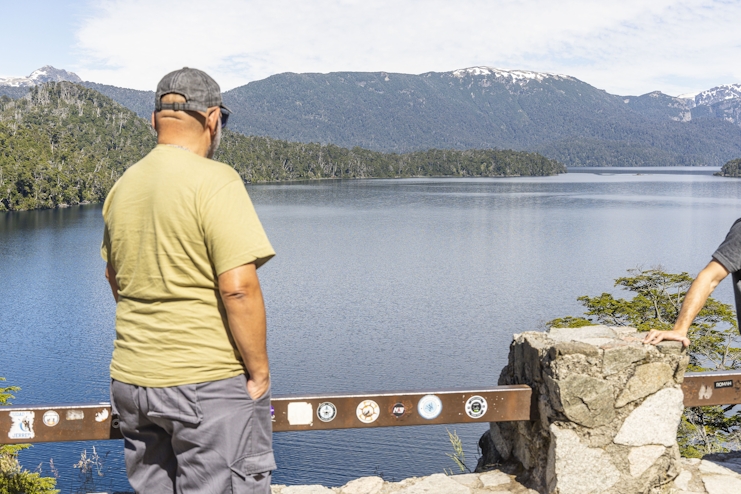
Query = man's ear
x=213 y=121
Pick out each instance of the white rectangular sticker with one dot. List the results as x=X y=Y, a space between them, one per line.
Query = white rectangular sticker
x=300 y=413
x=22 y=426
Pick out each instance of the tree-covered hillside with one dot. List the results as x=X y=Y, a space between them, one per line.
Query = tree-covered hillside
x=261 y=159
x=64 y=144
x=731 y=169
x=140 y=102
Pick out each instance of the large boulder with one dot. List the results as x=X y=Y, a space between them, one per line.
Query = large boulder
x=608 y=408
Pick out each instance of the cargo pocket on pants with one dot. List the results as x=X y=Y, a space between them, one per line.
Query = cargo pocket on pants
x=251 y=474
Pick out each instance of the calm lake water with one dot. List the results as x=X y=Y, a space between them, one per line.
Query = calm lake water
x=377 y=285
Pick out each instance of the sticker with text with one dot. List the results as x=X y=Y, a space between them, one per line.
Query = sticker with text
x=22 y=426
x=398 y=410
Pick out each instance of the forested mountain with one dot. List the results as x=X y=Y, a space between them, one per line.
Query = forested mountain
x=481 y=107
x=64 y=144
x=140 y=102
x=560 y=116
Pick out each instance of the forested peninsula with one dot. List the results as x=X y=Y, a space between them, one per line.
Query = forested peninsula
x=63 y=144
x=731 y=169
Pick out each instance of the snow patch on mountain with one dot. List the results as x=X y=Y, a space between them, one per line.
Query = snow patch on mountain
x=513 y=75
x=46 y=73
x=718 y=94
x=690 y=96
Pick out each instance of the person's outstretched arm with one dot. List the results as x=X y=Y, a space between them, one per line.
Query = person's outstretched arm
x=240 y=291
x=693 y=303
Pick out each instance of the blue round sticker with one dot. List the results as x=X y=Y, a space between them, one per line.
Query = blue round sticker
x=429 y=407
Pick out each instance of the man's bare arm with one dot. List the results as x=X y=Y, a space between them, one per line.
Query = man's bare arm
x=694 y=301
x=240 y=291
x=110 y=275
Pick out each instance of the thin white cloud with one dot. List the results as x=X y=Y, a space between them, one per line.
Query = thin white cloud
x=627 y=47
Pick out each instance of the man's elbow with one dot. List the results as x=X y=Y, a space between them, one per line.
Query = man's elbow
x=713 y=274
x=235 y=294
x=239 y=293
x=239 y=284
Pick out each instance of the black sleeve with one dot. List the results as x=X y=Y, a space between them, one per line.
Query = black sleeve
x=729 y=252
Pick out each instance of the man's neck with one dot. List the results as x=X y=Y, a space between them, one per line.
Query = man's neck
x=177 y=146
x=199 y=147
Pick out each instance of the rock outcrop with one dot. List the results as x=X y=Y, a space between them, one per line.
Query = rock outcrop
x=606 y=409
x=715 y=474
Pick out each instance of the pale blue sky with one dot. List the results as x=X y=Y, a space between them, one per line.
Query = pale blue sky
x=626 y=47
x=38 y=33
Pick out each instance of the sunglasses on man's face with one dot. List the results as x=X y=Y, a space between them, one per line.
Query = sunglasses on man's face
x=224 y=116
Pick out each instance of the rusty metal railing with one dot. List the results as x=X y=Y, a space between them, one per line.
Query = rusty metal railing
x=712 y=388
x=53 y=423
x=85 y=422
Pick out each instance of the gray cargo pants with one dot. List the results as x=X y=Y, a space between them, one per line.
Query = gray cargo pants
x=209 y=438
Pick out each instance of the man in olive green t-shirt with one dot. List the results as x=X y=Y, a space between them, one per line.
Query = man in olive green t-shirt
x=189 y=375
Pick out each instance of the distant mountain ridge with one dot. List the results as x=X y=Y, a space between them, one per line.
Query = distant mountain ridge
x=514 y=76
x=64 y=144
x=481 y=107
x=485 y=107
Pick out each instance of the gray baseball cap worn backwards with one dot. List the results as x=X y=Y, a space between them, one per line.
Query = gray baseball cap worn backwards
x=200 y=91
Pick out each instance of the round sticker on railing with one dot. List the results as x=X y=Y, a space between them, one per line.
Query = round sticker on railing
x=50 y=418
x=368 y=411
x=429 y=407
x=476 y=407
x=326 y=411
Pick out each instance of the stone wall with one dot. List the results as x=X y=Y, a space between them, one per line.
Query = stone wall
x=714 y=474
x=606 y=411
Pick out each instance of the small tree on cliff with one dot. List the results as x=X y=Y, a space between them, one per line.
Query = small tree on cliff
x=657 y=298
